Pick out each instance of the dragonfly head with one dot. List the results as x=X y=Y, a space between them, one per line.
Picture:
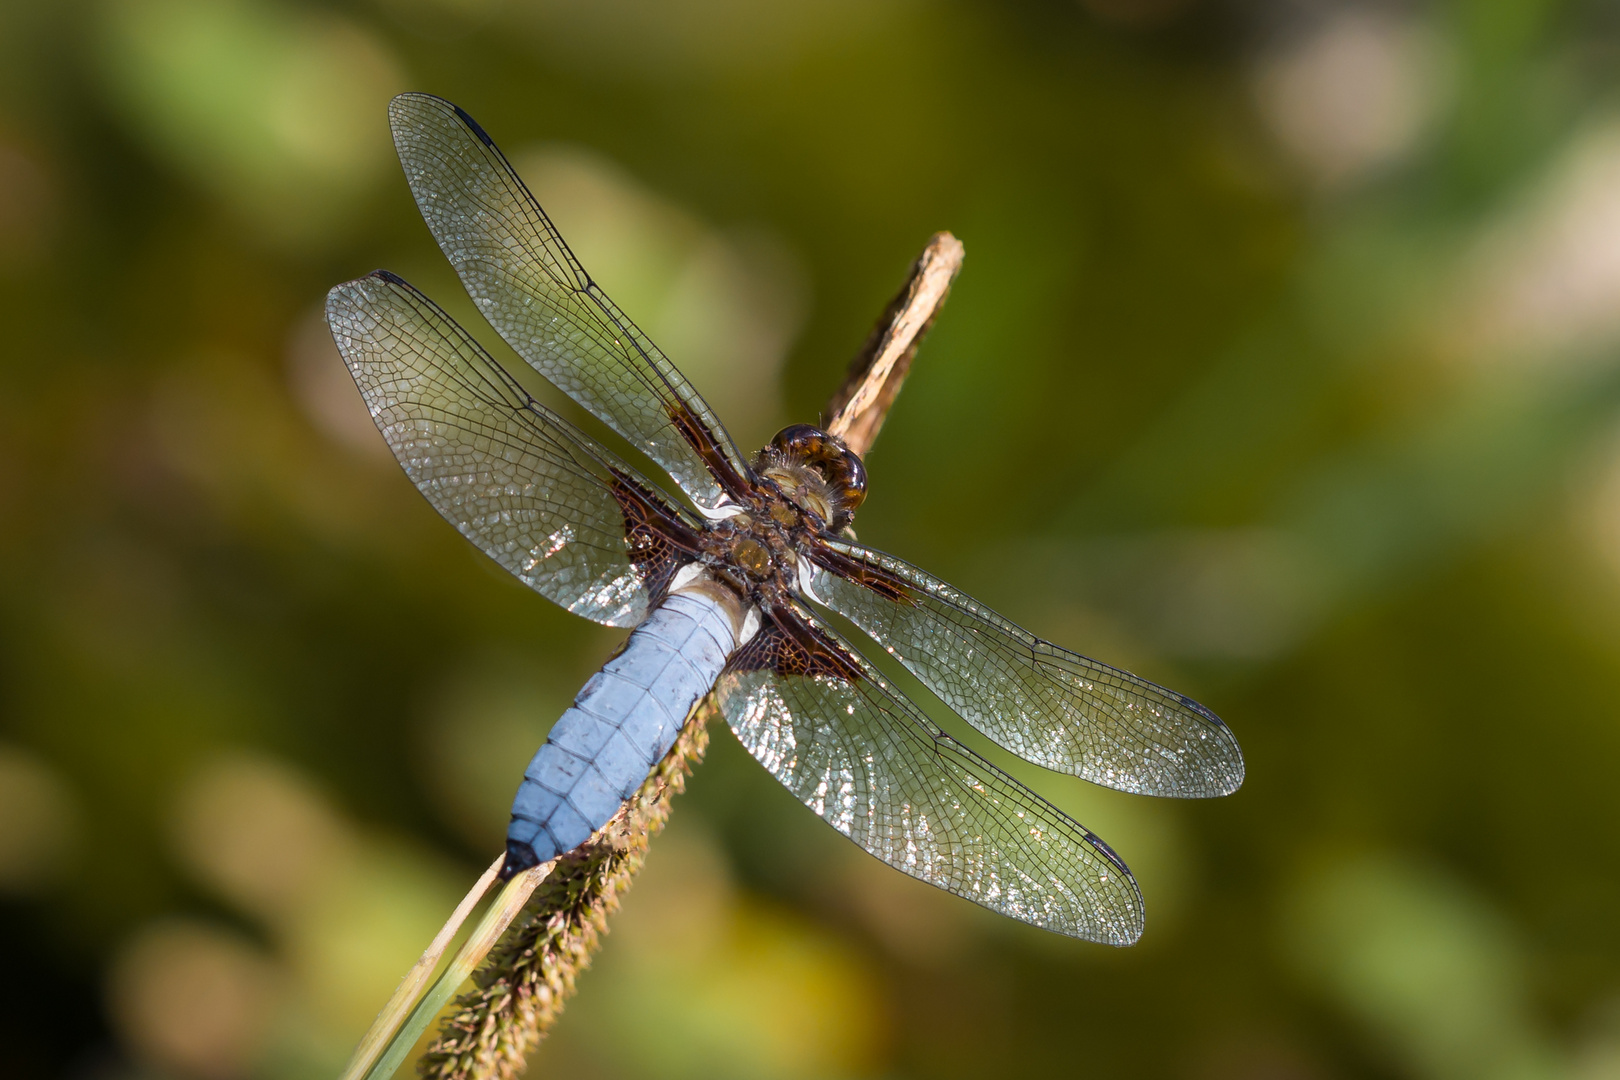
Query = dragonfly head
x=817 y=471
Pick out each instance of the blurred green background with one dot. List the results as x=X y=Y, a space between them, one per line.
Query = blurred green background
x=1285 y=370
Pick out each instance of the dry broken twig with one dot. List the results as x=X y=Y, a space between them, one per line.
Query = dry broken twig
x=861 y=404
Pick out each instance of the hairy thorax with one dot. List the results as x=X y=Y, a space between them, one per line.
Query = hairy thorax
x=755 y=552
x=808 y=485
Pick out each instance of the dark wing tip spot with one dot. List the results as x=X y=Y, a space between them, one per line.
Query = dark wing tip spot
x=1102 y=848
x=1201 y=710
x=388 y=276
x=473 y=124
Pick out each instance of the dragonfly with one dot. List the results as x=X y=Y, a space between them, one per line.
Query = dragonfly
x=725 y=587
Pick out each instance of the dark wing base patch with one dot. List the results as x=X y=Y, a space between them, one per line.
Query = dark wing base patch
x=788 y=645
x=659 y=541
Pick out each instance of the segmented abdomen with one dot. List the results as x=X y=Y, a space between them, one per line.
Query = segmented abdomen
x=623 y=721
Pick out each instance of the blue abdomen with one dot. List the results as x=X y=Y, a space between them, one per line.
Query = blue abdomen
x=623 y=721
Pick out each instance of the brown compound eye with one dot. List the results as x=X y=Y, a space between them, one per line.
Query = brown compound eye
x=839 y=466
x=850 y=479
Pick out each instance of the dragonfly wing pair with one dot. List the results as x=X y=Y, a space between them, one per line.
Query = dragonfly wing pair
x=582 y=528
x=1048 y=705
x=531 y=491
x=530 y=287
x=869 y=763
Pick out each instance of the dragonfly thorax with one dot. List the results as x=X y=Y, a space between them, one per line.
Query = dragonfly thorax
x=753 y=557
x=756 y=552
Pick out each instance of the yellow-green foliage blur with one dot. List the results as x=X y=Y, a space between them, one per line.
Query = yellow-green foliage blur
x=1284 y=370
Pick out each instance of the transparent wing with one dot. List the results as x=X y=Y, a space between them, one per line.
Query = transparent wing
x=534 y=292
x=825 y=724
x=518 y=481
x=1048 y=705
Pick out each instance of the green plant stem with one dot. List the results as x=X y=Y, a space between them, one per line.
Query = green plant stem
x=410 y=987
x=489 y=930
